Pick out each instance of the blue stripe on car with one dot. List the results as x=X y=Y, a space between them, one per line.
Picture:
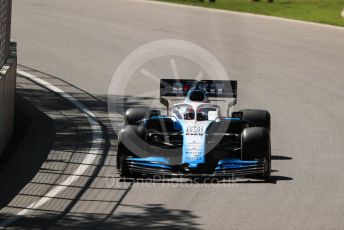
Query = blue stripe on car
x=150 y=159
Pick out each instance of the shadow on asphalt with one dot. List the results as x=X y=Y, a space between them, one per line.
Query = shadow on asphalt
x=72 y=139
x=150 y=216
x=29 y=146
x=278 y=157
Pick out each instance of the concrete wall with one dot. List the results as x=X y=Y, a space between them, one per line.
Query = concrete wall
x=5 y=29
x=7 y=97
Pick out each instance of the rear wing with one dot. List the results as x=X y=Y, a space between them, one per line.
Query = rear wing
x=222 y=92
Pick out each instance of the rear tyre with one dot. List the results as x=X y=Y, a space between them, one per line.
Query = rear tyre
x=255 y=145
x=261 y=118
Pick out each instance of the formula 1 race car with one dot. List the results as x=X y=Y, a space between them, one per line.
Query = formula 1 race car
x=194 y=139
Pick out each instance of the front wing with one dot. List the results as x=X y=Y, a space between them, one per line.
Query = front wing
x=228 y=168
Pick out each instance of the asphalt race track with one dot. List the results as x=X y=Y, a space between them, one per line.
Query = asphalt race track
x=295 y=70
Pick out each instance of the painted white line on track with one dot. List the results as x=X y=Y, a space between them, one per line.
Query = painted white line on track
x=88 y=160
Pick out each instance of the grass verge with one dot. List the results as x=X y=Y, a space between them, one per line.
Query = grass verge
x=321 y=11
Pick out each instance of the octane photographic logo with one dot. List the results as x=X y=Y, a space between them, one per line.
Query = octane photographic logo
x=136 y=81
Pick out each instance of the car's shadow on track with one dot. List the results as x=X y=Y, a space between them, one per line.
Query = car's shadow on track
x=282 y=158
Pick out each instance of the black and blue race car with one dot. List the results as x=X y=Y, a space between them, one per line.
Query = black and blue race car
x=194 y=139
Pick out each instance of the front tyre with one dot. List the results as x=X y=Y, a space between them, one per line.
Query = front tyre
x=256 y=145
x=260 y=118
x=123 y=153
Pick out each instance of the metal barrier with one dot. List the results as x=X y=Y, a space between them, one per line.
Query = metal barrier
x=8 y=67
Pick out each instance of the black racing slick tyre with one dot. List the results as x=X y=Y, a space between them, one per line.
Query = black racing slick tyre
x=122 y=154
x=255 y=145
x=260 y=118
x=122 y=165
x=134 y=115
